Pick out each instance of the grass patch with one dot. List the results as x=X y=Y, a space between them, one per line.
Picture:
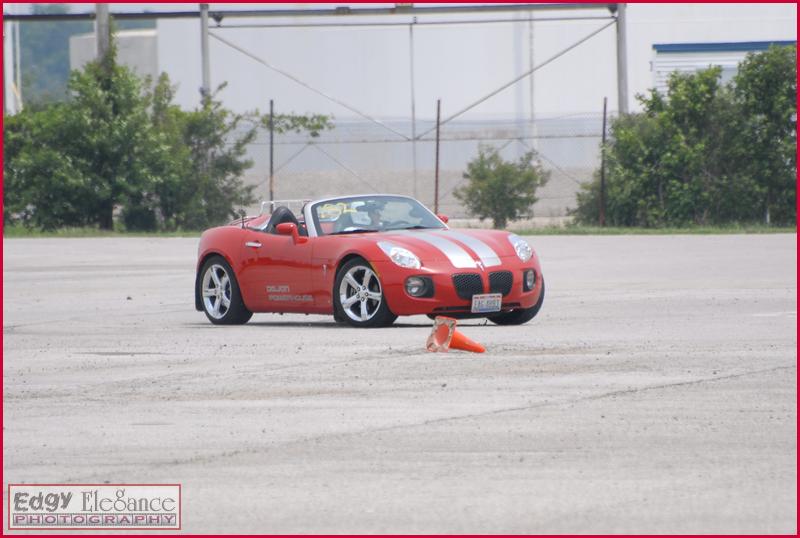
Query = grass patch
x=11 y=232
x=695 y=230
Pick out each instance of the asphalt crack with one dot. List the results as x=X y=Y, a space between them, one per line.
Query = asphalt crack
x=208 y=458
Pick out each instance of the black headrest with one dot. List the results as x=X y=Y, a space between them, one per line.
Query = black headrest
x=280 y=215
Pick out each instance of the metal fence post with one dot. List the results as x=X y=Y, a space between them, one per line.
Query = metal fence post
x=436 y=181
x=271 y=150
x=602 y=216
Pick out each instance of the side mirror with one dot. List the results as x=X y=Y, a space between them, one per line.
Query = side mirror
x=290 y=228
x=443 y=218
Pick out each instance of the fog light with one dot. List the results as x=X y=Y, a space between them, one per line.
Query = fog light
x=530 y=279
x=418 y=286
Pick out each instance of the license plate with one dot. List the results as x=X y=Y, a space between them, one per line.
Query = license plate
x=487 y=302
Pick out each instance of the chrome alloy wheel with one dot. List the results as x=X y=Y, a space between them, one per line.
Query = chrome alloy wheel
x=216 y=291
x=360 y=293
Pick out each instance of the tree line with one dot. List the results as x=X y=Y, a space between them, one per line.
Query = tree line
x=707 y=152
x=118 y=153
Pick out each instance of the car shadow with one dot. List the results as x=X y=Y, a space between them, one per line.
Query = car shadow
x=328 y=324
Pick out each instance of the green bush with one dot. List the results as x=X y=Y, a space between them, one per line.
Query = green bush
x=498 y=189
x=705 y=153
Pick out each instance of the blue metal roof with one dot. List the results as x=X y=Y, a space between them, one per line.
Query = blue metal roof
x=744 y=46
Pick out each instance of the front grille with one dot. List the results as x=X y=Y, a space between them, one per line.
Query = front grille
x=467 y=285
x=500 y=282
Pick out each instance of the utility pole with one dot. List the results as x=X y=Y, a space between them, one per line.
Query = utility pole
x=271 y=150
x=602 y=216
x=436 y=180
x=205 y=90
x=622 y=60
x=534 y=141
x=12 y=91
x=18 y=66
x=5 y=64
x=413 y=103
x=102 y=31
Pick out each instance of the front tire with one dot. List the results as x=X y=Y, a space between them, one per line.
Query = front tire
x=523 y=315
x=219 y=292
x=358 y=297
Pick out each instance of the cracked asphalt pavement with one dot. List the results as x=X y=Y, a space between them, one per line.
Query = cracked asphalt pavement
x=655 y=392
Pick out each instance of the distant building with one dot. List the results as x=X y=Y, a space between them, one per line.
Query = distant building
x=137 y=49
x=692 y=57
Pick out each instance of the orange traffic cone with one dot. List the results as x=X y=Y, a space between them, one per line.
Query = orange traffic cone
x=444 y=336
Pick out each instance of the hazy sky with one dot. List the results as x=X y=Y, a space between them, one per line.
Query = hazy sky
x=369 y=66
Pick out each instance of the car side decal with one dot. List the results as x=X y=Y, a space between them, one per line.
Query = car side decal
x=459 y=257
x=280 y=294
x=486 y=253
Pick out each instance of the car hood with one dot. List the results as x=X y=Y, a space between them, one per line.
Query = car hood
x=464 y=249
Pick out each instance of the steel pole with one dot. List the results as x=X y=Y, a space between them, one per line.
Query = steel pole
x=413 y=104
x=436 y=180
x=534 y=142
x=602 y=215
x=102 y=31
x=622 y=60
x=5 y=67
x=17 y=67
x=271 y=151
x=205 y=90
x=336 y=11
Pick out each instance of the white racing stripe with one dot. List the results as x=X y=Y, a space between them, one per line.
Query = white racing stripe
x=486 y=253
x=459 y=257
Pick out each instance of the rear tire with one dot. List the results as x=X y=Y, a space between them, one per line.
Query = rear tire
x=358 y=297
x=523 y=315
x=220 y=295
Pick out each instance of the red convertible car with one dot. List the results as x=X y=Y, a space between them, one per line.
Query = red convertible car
x=365 y=259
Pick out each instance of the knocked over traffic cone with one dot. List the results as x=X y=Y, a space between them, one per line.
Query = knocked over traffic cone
x=444 y=336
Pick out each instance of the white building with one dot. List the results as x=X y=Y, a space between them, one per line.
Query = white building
x=692 y=57
x=137 y=49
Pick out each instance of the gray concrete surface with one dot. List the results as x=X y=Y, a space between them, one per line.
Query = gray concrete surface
x=656 y=392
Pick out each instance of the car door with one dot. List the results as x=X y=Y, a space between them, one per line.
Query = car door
x=276 y=273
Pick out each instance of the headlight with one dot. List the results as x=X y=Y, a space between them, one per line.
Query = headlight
x=399 y=255
x=522 y=248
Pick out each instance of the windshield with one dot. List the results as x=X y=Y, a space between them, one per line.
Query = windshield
x=359 y=214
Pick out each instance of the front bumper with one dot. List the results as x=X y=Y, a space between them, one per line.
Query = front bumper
x=446 y=299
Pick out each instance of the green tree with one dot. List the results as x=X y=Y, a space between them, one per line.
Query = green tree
x=765 y=87
x=71 y=163
x=41 y=188
x=704 y=153
x=204 y=182
x=121 y=152
x=118 y=147
x=499 y=189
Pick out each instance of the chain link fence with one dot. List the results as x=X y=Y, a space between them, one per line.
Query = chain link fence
x=362 y=157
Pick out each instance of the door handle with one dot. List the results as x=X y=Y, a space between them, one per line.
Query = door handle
x=254 y=244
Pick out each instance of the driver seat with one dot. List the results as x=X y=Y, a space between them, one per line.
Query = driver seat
x=279 y=216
